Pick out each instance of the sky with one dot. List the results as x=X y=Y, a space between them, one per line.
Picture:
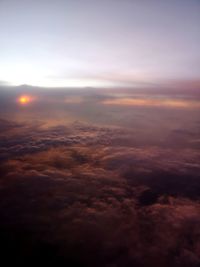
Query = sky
x=100 y=157
x=99 y=43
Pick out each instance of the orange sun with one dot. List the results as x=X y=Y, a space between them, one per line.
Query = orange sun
x=24 y=100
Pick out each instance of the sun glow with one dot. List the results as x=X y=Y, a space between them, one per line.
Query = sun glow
x=24 y=100
x=32 y=74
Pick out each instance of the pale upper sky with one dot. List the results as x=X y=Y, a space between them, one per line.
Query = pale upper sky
x=99 y=43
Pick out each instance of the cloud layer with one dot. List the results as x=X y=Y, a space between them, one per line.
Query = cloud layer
x=85 y=195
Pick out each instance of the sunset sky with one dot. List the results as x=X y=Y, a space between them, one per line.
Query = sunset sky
x=100 y=133
x=99 y=43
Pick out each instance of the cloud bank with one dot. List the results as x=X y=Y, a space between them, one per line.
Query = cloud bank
x=77 y=195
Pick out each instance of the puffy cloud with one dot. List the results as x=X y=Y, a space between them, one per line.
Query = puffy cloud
x=84 y=195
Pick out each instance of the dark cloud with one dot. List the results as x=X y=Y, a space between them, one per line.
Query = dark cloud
x=84 y=204
x=88 y=216
x=87 y=193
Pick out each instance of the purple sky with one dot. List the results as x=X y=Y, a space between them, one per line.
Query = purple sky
x=99 y=43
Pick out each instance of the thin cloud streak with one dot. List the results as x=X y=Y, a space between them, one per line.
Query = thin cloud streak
x=170 y=103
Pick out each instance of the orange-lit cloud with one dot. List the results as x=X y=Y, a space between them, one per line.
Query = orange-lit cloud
x=73 y=100
x=153 y=102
